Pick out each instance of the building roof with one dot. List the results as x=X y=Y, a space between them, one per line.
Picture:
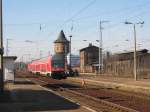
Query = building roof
x=89 y=47
x=128 y=55
x=42 y=60
x=61 y=38
x=131 y=52
x=10 y=57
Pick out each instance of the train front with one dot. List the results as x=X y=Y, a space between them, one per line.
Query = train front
x=58 y=66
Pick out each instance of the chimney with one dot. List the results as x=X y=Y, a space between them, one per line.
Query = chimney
x=90 y=44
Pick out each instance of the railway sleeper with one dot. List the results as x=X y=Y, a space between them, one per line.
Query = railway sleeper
x=106 y=103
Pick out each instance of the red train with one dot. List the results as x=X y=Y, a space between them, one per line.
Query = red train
x=53 y=66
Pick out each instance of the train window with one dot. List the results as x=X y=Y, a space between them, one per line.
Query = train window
x=57 y=64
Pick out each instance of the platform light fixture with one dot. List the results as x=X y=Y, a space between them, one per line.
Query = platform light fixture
x=135 y=46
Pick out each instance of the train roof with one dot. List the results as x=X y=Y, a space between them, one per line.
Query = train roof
x=42 y=60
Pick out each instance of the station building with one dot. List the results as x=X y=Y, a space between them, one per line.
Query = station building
x=118 y=64
x=89 y=57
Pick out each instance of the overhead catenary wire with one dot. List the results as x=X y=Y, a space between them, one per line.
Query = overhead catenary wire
x=82 y=10
x=68 y=20
x=116 y=11
x=79 y=12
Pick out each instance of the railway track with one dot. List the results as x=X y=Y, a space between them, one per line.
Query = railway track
x=105 y=99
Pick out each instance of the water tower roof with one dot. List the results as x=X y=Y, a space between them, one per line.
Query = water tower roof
x=61 y=38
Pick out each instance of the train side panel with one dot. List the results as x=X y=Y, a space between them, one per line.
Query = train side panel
x=41 y=66
x=48 y=66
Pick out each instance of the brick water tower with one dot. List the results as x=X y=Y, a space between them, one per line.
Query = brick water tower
x=61 y=48
x=61 y=45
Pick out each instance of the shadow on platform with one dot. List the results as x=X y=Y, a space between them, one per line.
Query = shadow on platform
x=23 y=82
x=36 y=100
x=5 y=97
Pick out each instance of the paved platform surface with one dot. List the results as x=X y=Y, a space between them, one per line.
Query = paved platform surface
x=140 y=86
x=27 y=97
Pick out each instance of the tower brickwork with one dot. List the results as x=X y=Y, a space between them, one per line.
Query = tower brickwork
x=61 y=48
x=61 y=44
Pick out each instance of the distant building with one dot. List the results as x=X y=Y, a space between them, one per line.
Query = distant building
x=121 y=64
x=89 y=57
x=75 y=60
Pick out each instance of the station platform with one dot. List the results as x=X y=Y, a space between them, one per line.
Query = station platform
x=25 y=96
x=128 y=84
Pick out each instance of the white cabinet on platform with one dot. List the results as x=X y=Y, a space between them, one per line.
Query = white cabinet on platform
x=8 y=67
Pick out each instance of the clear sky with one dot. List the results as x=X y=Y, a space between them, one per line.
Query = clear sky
x=23 y=18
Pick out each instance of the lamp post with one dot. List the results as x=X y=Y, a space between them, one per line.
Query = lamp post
x=7 y=46
x=70 y=50
x=135 y=63
x=41 y=54
x=101 y=46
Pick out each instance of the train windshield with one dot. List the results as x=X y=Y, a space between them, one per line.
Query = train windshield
x=57 y=63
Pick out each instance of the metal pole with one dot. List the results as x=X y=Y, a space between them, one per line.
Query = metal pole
x=70 y=50
x=99 y=46
x=1 y=50
x=135 y=64
x=100 y=49
x=135 y=56
x=41 y=54
x=7 y=47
